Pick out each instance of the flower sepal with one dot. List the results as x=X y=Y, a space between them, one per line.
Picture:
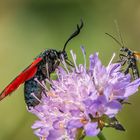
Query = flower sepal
x=112 y=122
x=80 y=135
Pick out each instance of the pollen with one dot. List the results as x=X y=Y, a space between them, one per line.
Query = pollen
x=83 y=121
x=51 y=94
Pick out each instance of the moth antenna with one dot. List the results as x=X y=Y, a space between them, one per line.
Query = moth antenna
x=119 y=33
x=117 y=41
x=74 y=34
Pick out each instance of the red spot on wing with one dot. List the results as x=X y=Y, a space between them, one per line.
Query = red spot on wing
x=27 y=74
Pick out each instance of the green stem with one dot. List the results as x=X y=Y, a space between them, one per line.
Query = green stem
x=101 y=136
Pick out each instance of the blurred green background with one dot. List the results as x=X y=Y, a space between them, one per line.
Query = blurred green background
x=29 y=26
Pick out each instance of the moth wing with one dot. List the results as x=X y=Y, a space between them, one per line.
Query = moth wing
x=137 y=55
x=27 y=74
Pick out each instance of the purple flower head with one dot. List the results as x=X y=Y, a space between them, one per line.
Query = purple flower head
x=80 y=98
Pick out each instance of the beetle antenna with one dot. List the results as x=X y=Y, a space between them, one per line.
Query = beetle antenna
x=74 y=34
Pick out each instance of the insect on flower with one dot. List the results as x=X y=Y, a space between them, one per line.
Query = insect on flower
x=39 y=70
x=83 y=100
x=128 y=56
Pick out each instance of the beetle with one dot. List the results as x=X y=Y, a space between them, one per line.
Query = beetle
x=38 y=71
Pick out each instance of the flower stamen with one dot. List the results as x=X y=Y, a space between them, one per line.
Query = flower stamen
x=111 y=60
x=41 y=84
x=64 y=63
x=54 y=85
x=36 y=97
x=84 y=54
x=74 y=60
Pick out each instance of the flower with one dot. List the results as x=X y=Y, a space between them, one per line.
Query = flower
x=82 y=99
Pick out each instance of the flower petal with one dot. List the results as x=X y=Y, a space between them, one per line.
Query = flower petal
x=91 y=129
x=132 y=88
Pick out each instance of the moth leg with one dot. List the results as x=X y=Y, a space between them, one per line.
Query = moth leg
x=121 y=56
x=70 y=63
x=127 y=69
x=123 y=59
x=47 y=71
